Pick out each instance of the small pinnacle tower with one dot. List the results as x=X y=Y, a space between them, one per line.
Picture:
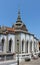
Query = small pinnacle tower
x=19 y=25
x=19 y=17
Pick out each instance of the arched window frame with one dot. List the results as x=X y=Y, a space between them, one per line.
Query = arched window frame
x=10 y=44
x=3 y=41
x=22 y=45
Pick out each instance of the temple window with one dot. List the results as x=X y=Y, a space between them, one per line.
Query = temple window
x=2 y=41
x=31 y=46
x=27 y=46
x=34 y=46
x=10 y=45
x=22 y=45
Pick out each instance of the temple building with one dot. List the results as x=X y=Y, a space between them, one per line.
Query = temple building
x=17 y=35
x=39 y=45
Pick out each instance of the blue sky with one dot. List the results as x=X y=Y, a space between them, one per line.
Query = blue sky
x=30 y=14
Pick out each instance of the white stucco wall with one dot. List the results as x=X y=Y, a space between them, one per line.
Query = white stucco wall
x=32 y=39
x=22 y=36
x=11 y=36
x=36 y=45
x=6 y=43
x=27 y=39
x=1 y=37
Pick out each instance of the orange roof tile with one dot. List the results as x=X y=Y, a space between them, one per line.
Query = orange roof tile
x=10 y=29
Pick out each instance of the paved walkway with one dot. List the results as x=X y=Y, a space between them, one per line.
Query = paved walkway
x=32 y=62
x=9 y=62
x=13 y=62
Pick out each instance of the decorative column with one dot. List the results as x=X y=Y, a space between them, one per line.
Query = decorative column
x=37 y=46
x=28 y=46
x=18 y=52
x=24 y=46
x=21 y=47
x=7 y=46
x=32 y=46
x=28 y=43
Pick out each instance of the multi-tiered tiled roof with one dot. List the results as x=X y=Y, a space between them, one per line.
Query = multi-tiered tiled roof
x=19 y=25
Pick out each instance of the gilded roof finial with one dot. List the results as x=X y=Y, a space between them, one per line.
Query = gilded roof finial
x=19 y=13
